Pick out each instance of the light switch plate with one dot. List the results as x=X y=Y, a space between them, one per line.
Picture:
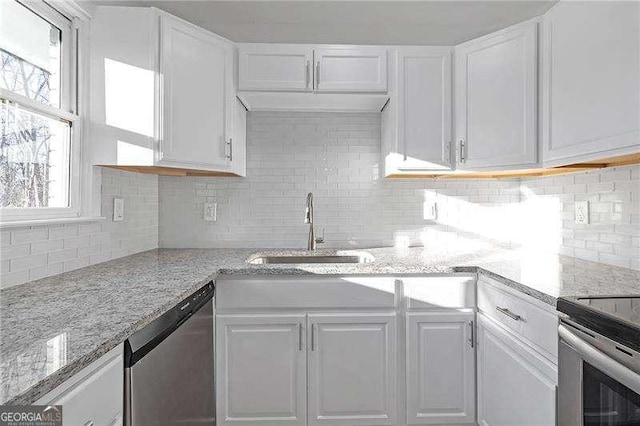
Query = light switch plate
x=210 y=212
x=582 y=212
x=429 y=211
x=118 y=209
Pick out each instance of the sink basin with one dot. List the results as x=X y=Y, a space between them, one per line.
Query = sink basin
x=312 y=258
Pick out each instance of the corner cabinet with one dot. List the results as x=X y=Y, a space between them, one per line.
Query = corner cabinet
x=496 y=99
x=591 y=69
x=163 y=97
x=416 y=123
x=196 y=69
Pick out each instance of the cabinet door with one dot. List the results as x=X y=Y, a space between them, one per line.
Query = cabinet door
x=440 y=368
x=352 y=369
x=362 y=69
x=591 y=64
x=196 y=74
x=261 y=370
x=424 y=108
x=275 y=67
x=516 y=386
x=496 y=99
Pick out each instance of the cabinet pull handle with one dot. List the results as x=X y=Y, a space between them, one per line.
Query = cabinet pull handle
x=508 y=313
x=313 y=337
x=317 y=79
x=463 y=146
x=89 y=423
x=308 y=74
x=230 y=145
x=472 y=334
x=299 y=337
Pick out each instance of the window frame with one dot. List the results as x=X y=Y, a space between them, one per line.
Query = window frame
x=71 y=30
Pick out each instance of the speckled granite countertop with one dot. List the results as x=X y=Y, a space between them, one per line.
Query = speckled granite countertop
x=52 y=328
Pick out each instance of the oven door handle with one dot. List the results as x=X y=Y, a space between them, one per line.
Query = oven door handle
x=601 y=361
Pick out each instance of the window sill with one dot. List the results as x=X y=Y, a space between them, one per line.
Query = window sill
x=44 y=222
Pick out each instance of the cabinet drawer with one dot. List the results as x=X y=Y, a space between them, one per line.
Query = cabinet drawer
x=438 y=292
x=520 y=313
x=95 y=395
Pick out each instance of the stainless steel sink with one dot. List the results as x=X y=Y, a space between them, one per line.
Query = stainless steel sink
x=320 y=258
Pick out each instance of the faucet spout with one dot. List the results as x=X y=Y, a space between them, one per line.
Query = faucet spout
x=312 y=244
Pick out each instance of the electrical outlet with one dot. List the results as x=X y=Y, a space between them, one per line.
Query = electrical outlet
x=210 y=212
x=118 y=209
x=582 y=212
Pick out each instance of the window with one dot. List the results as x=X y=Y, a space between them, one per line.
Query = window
x=39 y=153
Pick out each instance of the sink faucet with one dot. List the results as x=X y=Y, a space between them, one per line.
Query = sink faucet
x=308 y=218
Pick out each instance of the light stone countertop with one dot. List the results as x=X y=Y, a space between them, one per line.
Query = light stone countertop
x=52 y=328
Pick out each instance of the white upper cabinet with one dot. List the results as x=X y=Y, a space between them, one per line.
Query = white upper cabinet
x=496 y=100
x=352 y=369
x=346 y=69
x=162 y=93
x=197 y=88
x=286 y=67
x=417 y=121
x=440 y=368
x=305 y=68
x=591 y=81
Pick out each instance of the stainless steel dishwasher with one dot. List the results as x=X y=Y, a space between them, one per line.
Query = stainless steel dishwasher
x=169 y=366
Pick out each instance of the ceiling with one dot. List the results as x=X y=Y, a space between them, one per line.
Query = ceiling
x=349 y=22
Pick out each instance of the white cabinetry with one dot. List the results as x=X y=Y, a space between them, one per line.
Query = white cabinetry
x=350 y=69
x=591 y=69
x=352 y=369
x=440 y=368
x=275 y=67
x=261 y=369
x=496 y=99
x=94 y=396
x=517 y=358
x=417 y=121
x=162 y=93
x=516 y=386
x=324 y=68
x=198 y=98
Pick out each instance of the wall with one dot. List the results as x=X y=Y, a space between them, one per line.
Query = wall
x=34 y=252
x=613 y=233
x=336 y=157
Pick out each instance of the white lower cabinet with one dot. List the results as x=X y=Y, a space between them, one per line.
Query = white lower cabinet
x=94 y=396
x=352 y=369
x=440 y=368
x=261 y=370
x=516 y=385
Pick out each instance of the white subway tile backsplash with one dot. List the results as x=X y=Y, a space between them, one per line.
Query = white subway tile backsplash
x=336 y=157
x=31 y=253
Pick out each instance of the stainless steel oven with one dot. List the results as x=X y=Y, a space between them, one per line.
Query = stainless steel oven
x=598 y=377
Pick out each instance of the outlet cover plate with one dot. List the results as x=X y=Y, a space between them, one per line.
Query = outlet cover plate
x=118 y=209
x=582 y=212
x=210 y=212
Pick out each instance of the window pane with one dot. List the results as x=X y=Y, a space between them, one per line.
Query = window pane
x=34 y=159
x=29 y=54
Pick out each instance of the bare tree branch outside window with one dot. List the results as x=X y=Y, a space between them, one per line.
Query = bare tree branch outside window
x=25 y=138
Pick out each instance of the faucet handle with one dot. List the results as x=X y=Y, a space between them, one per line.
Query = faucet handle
x=320 y=240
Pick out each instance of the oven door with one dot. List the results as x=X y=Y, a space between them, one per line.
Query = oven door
x=594 y=387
